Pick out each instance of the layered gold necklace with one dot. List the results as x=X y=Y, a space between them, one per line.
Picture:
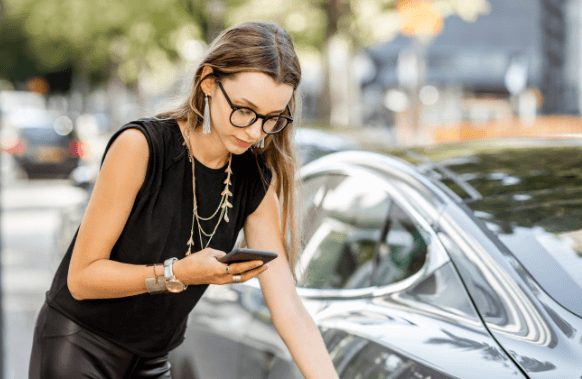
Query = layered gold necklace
x=221 y=210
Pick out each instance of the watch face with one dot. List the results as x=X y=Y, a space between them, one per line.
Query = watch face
x=175 y=286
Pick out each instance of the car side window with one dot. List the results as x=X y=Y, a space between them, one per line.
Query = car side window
x=313 y=191
x=403 y=249
x=343 y=235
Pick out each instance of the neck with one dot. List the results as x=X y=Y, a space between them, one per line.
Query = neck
x=207 y=149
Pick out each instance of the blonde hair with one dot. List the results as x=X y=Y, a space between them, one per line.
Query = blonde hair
x=267 y=48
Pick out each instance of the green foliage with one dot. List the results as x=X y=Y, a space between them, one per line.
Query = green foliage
x=94 y=36
x=304 y=20
x=16 y=62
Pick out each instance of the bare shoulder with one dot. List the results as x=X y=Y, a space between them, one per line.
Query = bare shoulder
x=131 y=140
x=127 y=159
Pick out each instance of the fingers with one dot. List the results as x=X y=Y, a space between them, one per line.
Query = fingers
x=237 y=268
x=250 y=274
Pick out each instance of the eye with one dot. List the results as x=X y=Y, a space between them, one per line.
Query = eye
x=245 y=112
x=275 y=124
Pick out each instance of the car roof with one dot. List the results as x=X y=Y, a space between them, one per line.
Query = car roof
x=475 y=170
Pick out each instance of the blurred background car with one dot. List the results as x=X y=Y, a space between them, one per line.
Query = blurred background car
x=417 y=261
x=44 y=144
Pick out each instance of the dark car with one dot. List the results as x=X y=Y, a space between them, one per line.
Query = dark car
x=457 y=261
x=43 y=144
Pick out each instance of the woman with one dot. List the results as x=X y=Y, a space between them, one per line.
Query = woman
x=147 y=249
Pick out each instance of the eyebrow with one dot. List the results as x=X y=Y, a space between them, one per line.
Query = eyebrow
x=254 y=106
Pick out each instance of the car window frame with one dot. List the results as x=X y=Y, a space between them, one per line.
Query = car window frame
x=436 y=256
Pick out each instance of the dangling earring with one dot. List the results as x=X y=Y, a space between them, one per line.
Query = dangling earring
x=206 y=120
x=260 y=144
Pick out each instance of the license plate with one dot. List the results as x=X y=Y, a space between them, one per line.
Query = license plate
x=50 y=154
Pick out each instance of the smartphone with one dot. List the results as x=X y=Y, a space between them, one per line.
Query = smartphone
x=240 y=254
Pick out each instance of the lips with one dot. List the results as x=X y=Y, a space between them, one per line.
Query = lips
x=242 y=143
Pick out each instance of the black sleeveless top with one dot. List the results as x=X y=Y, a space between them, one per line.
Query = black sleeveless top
x=158 y=228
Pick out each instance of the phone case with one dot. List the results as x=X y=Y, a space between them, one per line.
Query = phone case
x=243 y=255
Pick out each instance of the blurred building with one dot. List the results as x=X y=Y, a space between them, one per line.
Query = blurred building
x=520 y=60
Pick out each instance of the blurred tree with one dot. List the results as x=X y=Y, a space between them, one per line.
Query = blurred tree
x=16 y=62
x=101 y=39
x=68 y=30
x=210 y=15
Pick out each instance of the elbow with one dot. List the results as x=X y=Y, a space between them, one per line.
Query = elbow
x=75 y=288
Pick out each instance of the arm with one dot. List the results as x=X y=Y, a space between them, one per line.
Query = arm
x=91 y=273
x=293 y=323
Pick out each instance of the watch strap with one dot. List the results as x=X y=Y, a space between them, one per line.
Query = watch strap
x=168 y=271
x=169 y=276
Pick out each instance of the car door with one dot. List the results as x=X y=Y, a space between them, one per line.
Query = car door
x=214 y=336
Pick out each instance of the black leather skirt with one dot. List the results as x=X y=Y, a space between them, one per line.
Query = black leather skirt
x=62 y=348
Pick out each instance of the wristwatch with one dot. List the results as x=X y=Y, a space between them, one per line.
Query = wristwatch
x=173 y=284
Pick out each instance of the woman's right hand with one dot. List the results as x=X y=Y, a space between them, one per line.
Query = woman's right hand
x=203 y=267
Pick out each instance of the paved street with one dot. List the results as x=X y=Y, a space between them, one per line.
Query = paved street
x=38 y=220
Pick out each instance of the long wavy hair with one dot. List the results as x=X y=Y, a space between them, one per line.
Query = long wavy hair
x=267 y=48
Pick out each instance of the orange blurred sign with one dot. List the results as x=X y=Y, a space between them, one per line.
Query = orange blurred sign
x=38 y=85
x=542 y=126
x=419 y=18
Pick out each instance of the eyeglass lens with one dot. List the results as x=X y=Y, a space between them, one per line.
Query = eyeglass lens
x=243 y=117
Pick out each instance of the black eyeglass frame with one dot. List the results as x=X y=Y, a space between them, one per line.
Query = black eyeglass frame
x=257 y=115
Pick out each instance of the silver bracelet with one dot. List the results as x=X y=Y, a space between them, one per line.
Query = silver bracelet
x=155 y=286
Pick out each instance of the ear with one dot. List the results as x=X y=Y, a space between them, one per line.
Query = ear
x=208 y=85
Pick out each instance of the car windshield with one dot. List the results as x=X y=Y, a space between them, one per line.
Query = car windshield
x=530 y=197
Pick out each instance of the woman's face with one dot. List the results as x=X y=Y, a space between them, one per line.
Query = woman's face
x=254 y=90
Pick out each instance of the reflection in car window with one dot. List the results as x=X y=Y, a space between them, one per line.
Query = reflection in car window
x=403 y=251
x=343 y=235
x=313 y=190
x=375 y=361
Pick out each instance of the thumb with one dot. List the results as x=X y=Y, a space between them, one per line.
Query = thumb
x=217 y=253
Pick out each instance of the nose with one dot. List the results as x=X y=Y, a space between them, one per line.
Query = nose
x=255 y=130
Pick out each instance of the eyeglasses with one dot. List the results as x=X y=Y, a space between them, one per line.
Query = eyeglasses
x=242 y=117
